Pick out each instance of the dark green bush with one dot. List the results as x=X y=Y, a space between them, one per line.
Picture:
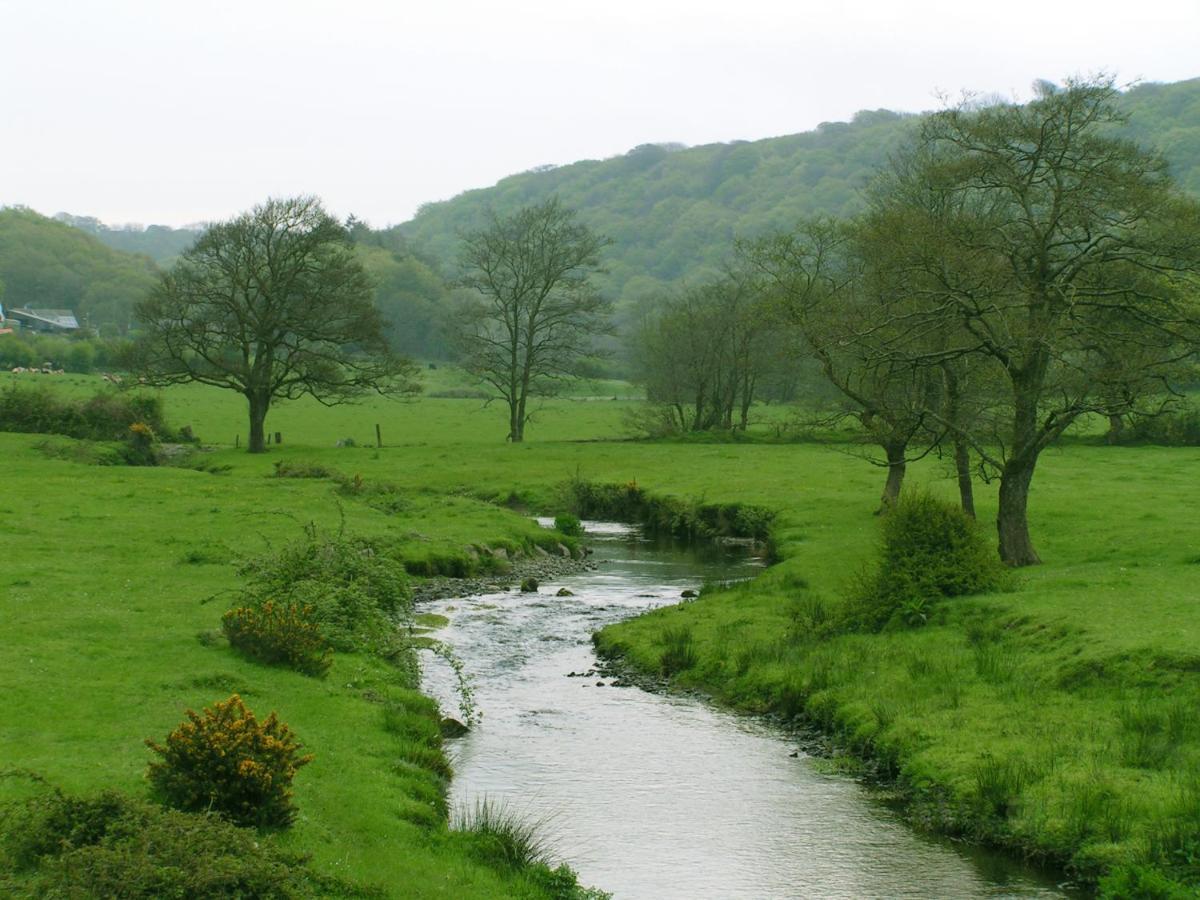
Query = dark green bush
x=1179 y=427
x=353 y=595
x=106 y=416
x=334 y=561
x=930 y=550
x=113 y=846
x=568 y=524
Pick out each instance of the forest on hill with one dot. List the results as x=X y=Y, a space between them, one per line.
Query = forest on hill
x=50 y=265
x=672 y=213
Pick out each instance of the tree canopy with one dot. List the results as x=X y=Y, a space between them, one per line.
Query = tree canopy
x=273 y=304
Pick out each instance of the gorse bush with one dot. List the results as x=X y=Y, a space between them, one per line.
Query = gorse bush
x=228 y=762
x=110 y=845
x=930 y=550
x=279 y=634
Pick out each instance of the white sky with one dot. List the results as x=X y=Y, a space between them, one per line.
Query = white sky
x=172 y=112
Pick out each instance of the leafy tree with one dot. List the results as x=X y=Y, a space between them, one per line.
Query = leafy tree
x=533 y=314
x=273 y=304
x=706 y=352
x=1059 y=254
x=820 y=279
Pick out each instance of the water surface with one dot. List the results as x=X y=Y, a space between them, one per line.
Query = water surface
x=654 y=796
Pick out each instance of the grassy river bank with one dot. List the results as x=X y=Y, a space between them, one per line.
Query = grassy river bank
x=1056 y=718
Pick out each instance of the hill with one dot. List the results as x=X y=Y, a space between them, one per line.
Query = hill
x=673 y=212
x=159 y=242
x=49 y=264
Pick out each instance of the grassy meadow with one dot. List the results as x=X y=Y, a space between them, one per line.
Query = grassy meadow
x=1058 y=717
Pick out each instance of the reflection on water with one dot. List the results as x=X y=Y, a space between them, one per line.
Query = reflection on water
x=656 y=797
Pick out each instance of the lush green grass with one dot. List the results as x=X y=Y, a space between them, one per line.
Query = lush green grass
x=112 y=582
x=1056 y=717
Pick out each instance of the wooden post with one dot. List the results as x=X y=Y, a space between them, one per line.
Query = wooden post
x=237 y=441
x=378 y=436
x=279 y=437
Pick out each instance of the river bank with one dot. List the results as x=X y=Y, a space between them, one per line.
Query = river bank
x=990 y=722
x=660 y=795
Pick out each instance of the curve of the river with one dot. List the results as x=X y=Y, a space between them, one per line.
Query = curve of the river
x=654 y=796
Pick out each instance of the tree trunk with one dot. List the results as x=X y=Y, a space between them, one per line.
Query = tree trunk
x=1116 y=428
x=516 y=421
x=1012 y=522
x=259 y=404
x=897 y=463
x=962 y=466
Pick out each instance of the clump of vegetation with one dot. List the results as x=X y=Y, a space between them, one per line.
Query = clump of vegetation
x=279 y=634
x=1177 y=428
x=502 y=836
x=228 y=762
x=931 y=550
x=352 y=591
x=568 y=524
x=105 y=416
x=292 y=469
x=110 y=845
x=668 y=515
x=679 y=653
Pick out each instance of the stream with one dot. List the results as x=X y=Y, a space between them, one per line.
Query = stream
x=652 y=796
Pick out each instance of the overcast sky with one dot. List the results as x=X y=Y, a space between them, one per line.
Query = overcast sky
x=171 y=112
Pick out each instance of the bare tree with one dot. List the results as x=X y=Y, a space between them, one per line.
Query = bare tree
x=820 y=282
x=274 y=305
x=533 y=313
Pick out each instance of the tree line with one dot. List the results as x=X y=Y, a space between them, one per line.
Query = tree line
x=1015 y=269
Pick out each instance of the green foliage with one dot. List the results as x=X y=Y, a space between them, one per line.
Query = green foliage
x=50 y=265
x=106 y=416
x=228 y=762
x=679 y=653
x=279 y=634
x=1141 y=883
x=568 y=524
x=1175 y=428
x=79 y=353
x=672 y=211
x=110 y=845
x=669 y=515
x=930 y=550
x=319 y=592
x=501 y=836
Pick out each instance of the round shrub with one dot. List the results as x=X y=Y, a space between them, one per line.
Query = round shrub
x=279 y=634
x=568 y=524
x=931 y=549
x=228 y=762
x=112 y=845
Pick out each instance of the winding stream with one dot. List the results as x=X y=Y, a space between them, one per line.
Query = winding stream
x=653 y=796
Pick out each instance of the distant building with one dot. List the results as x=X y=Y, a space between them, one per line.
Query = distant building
x=56 y=320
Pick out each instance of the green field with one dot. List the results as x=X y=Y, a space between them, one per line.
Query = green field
x=1058 y=718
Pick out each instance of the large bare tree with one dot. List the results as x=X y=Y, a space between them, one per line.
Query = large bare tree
x=272 y=304
x=532 y=315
